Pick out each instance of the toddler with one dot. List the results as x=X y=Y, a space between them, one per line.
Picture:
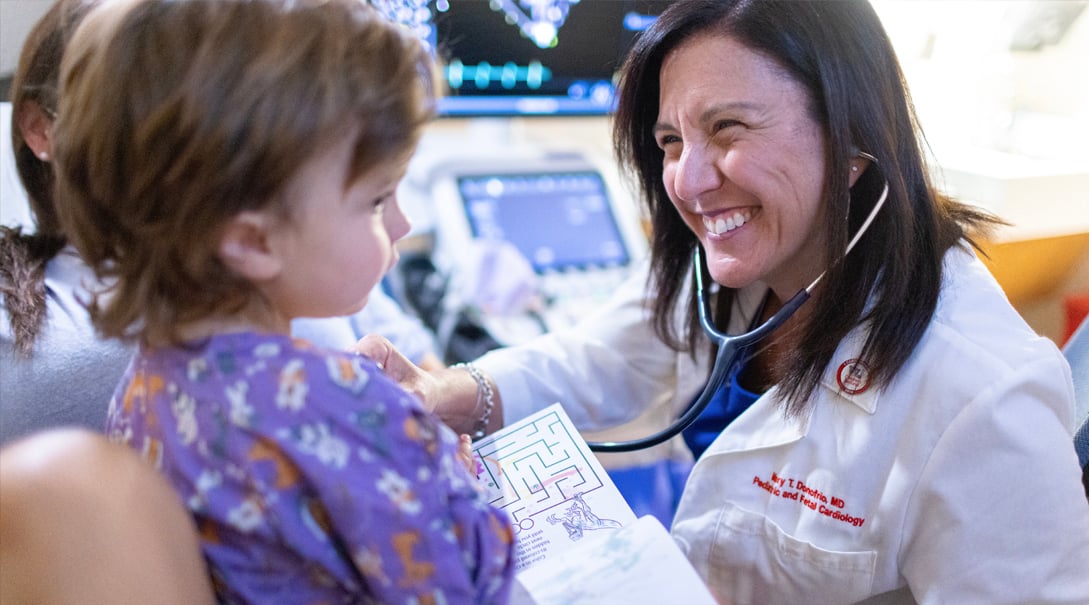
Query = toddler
x=228 y=166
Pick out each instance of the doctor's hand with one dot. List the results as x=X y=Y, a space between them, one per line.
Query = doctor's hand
x=452 y=393
x=407 y=374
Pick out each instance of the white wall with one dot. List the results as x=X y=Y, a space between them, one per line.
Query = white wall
x=16 y=19
x=1007 y=127
x=970 y=87
x=14 y=210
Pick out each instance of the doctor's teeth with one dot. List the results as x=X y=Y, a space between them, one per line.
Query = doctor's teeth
x=723 y=224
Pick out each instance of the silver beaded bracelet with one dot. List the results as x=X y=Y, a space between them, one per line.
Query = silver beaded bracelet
x=483 y=392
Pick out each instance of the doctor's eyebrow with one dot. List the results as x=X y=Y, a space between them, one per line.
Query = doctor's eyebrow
x=710 y=114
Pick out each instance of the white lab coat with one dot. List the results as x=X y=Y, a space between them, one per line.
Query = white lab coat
x=958 y=483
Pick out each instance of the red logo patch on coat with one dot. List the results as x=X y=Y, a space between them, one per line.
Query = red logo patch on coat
x=853 y=376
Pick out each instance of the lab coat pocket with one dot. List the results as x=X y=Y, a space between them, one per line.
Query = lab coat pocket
x=754 y=561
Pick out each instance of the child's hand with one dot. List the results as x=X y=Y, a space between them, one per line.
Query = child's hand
x=465 y=453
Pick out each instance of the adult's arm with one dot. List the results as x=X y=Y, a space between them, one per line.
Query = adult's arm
x=606 y=370
x=1003 y=479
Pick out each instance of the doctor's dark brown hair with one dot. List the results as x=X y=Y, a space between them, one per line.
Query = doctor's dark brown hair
x=840 y=54
x=224 y=101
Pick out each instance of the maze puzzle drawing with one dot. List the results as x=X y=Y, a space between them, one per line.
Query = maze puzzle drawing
x=534 y=468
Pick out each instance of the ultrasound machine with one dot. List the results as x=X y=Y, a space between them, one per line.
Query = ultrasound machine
x=561 y=208
x=576 y=237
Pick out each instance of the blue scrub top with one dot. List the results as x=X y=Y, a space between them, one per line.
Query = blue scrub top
x=726 y=404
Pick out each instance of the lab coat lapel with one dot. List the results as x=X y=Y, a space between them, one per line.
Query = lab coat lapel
x=847 y=377
x=764 y=425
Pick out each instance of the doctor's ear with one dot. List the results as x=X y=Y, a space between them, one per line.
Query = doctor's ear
x=245 y=247
x=858 y=163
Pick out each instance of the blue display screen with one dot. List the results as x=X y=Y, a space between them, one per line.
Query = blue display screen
x=558 y=221
x=523 y=58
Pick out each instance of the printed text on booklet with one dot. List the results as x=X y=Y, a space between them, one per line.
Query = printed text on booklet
x=560 y=500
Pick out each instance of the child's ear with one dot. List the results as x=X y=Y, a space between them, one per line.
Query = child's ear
x=245 y=248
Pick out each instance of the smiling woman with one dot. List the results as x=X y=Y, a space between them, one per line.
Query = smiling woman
x=803 y=121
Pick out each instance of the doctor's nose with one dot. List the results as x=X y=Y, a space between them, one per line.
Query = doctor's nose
x=694 y=174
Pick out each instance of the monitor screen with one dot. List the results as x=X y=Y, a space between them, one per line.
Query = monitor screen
x=528 y=57
x=557 y=220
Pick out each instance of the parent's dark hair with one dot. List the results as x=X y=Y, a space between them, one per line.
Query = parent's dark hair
x=840 y=54
x=24 y=256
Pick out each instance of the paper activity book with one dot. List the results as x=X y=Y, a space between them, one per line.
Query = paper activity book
x=636 y=565
x=577 y=540
x=555 y=490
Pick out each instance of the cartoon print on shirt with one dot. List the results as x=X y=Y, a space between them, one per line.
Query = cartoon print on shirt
x=270 y=476
x=347 y=372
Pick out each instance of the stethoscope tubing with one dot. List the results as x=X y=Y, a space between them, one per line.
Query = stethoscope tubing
x=730 y=349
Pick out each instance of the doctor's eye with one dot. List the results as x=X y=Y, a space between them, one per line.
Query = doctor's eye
x=725 y=124
x=666 y=140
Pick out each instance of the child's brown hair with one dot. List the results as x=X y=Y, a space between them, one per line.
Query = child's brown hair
x=177 y=115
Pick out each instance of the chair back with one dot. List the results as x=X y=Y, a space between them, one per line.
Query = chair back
x=1076 y=351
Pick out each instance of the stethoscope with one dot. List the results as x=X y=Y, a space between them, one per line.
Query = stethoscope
x=730 y=348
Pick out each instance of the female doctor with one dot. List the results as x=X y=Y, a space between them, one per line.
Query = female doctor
x=904 y=435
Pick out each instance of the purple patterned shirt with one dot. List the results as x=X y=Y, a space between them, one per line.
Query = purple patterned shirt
x=313 y=477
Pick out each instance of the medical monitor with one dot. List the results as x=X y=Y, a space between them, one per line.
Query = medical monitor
x=558 y=220
x=527 y=57
x=561 y=212
x=578 y=234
